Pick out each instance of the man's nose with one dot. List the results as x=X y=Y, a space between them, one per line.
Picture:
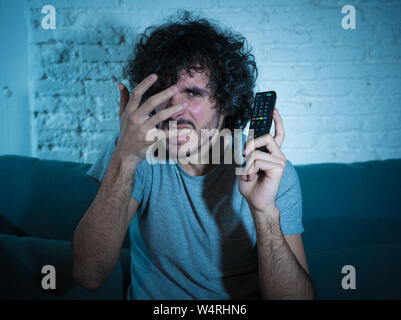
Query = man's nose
x=175 y=99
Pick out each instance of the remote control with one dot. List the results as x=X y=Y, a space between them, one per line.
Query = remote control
x=262 y=116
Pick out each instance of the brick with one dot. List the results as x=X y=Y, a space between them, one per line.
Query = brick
x=65 y=17
x=51 y=88
x=321 y=125
x=387 y=121
x=229 y=4
x=287 y=72
x=396 y=29
x=383 y=13
x=336 y=70
x=71 y=104
x=76 y=4
x=303 y=16
x=384 y=51
x=301 y=140
x=392 y=139
x=106 y=124
x=239 y=19
x=84 y=71
x=353 y=36
x=388 y=153
x=193 y=4
x=56 y=121
x=100 y=88
x=309 y=53
x=352 y=106
x=94 y=53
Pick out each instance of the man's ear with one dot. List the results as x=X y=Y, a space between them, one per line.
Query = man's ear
x=224 y=113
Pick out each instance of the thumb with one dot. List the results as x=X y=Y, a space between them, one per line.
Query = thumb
x=124 y=98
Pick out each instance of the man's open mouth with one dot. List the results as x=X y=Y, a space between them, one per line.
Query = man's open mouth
x=181 y=137
x=184 y=126
x=180 y=126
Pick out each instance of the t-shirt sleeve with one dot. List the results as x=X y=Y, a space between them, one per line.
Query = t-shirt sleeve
x=289 y=201
x=98 y=169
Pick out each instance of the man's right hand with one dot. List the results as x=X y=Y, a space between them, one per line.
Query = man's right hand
x=135 y=123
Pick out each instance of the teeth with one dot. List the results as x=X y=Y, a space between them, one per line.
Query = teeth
x=183 y=131
x=179 y=134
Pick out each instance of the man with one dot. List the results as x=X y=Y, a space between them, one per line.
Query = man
x=197 y=231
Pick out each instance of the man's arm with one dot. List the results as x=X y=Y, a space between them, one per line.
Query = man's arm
x=297 y=247
x=100 y=233
x=281 y=274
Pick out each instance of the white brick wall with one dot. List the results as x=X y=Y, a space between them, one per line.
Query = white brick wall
x=338 y=90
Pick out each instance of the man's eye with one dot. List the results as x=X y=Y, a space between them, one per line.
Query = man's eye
x=194 y=94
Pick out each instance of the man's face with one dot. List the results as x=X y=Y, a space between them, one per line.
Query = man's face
x=200 y=113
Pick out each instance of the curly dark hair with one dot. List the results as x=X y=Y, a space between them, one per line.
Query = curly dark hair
x=196 y=44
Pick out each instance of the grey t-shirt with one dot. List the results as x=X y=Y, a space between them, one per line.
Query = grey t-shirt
x=193 y=237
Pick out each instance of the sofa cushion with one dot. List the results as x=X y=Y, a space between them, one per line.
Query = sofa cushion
x=361 y=190
x=327 y=234
x=22 y=261
x=347 y=205
x=44 y=198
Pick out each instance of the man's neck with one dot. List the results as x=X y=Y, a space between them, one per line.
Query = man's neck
x=197 y=169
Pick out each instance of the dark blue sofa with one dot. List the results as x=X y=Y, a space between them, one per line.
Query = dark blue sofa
x=352 y=216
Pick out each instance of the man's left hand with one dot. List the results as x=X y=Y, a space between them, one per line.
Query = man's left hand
x=260 y=186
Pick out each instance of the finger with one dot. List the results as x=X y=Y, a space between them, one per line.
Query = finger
x=139 y=90
x=264 y=141
x=279 y=133
x=154 y=135
x=249 y=177
x=263 y=165
x=163 y=115
x=268 y=166
x=250 y=162
x=256 y=155
x=251 y=170
x=260 y=155
x=154 y=101
x=124 y=98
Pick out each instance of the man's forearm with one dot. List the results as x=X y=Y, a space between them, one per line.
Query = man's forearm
x=281 y=276
x=100 y=233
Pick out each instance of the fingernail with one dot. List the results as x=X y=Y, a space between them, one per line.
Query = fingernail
x=174 y=89
x=153 y=77
x=183 y=105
